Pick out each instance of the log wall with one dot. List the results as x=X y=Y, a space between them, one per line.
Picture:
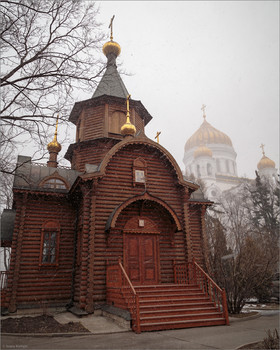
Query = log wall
x=196 y=234
x=115 y=188
x=30 y=284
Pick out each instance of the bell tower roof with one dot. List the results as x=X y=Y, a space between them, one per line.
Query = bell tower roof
x=111 y=83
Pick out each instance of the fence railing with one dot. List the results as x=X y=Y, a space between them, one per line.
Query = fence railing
x=192 y=273
x=3 y=281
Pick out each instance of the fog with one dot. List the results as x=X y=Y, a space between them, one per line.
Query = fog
x=224 y=54
x=177 y=56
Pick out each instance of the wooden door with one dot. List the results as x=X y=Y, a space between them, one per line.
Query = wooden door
x=141 y=258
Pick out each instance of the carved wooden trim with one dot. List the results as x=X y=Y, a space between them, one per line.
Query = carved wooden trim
x=145 y=196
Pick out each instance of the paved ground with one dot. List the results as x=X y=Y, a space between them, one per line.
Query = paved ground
x=219 y=337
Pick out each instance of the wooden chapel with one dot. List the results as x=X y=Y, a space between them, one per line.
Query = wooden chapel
x=123 y=227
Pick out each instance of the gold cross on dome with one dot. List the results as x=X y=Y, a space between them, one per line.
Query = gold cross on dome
x=203 y=109
x=157 y=136
x=127 y=104
x=56 y=124
x=262 y=147
x=111 y=26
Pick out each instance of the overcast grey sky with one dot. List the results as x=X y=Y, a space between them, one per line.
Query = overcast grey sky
x=224 y=54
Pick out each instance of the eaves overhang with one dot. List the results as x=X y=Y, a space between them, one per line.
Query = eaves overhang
x=106 y=99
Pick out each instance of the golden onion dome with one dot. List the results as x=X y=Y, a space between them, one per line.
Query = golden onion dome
x=54 y=146
x=207 y=134
x=111 y=47
x=128 y=128
x=265 y=162
x=202 y=151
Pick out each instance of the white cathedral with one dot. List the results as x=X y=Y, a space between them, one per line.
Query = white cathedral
x=209 y=155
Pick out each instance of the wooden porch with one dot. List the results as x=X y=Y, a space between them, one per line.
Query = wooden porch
x=194 y=300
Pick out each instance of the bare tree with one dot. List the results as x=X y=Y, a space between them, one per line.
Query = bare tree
x=49 y=49
x=262 y=202
x=242 y=256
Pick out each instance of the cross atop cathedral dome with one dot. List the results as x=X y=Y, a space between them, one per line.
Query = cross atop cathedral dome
x=265 y=162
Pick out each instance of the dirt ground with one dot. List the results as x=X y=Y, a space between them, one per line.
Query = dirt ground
x=39 y=324
x=47 y=324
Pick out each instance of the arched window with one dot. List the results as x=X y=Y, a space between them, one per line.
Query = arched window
x=55 y=183
x=218 y=165
x=198 y=170
x=80 y=129
x=209 y=169
x=49 y=243
x=227 y=165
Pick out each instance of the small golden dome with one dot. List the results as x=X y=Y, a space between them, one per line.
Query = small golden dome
x=207 y=134
x=128 y=128
x=203 y=151
x=54 y=146
x=265 y=162
x=111 y=47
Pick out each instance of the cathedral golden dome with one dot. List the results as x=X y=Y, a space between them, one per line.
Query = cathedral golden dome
x=207 y=134
x=265 y=162
x=111 y=47
x=202 y=151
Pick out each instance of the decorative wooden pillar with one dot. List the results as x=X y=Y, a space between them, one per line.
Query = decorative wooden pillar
x=84 y=265
x=91 y=238
x=16 y=252
x=186 y=212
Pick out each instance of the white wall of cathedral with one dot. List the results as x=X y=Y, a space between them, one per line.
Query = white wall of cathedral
x=269 y=173
x=203 y=167
x=224 y=157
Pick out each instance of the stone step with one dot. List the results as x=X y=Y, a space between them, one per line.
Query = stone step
x=153 y=326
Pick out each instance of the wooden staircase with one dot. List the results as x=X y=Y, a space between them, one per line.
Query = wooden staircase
x=171 y=306
x=194 y=300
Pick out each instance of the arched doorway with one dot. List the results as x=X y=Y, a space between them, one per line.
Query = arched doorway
x=146 y=234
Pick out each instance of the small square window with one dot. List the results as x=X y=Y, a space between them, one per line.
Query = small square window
x=140 y=176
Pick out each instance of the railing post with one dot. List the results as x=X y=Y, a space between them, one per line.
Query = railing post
x=138 y=330
x=194 y=272
x=209 y=290
x=225 y=309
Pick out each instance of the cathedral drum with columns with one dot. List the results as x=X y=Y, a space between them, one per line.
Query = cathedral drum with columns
x=209 y=155
x=122 y=228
